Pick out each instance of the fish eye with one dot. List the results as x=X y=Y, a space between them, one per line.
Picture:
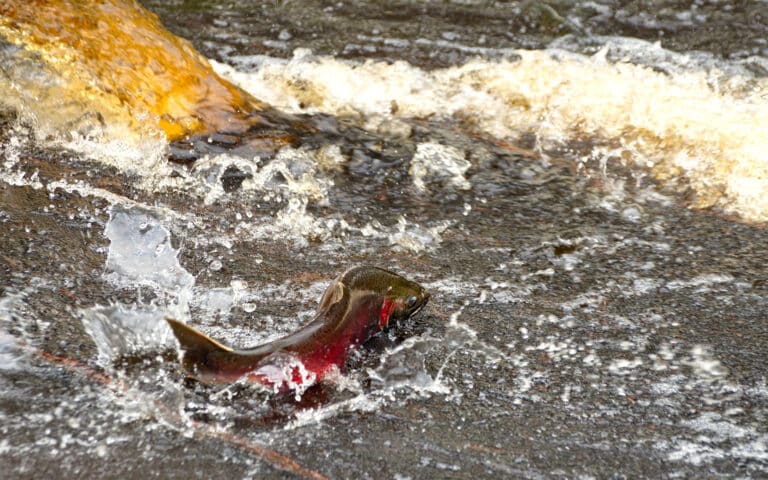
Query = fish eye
x=411 y=301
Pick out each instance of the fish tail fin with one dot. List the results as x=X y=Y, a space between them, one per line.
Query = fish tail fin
x=198 y=347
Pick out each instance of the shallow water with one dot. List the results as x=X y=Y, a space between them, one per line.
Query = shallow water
x=588 y=317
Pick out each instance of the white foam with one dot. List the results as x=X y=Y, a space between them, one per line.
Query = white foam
x=401 y=370
x=10 y=354
x=295 y=174
x=359 y=403
x=705 y=365
x=454 y=287
x=719 y=438
x=756 y=450
x=145 y=157
x=434 y=162
x=694 y=453
x=702 y=281
x=407 y=236
x=714 y=423
x=14 y=312
x=642 y=286
x=624 y=366
x=684 y=124
x=283 y=370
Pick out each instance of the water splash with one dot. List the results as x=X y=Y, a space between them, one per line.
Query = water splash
x=285 y=371
x=121 y=331
x=140 y=253
x=140 y=256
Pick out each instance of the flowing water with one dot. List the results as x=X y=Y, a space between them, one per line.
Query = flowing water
x=580 y=185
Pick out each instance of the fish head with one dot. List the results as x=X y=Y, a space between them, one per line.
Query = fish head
x=408 y=299
x=396 y=297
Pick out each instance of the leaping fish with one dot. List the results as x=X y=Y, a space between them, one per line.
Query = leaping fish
x=360 y=303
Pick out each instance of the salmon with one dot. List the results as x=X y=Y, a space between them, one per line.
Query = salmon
x=359 y=304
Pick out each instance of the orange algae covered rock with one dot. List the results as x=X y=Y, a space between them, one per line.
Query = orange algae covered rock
x=112 y=59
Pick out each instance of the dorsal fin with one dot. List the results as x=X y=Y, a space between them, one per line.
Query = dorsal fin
x=195 y=344
x=333 y=294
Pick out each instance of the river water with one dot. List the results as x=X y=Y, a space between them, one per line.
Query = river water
x=580 y=185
